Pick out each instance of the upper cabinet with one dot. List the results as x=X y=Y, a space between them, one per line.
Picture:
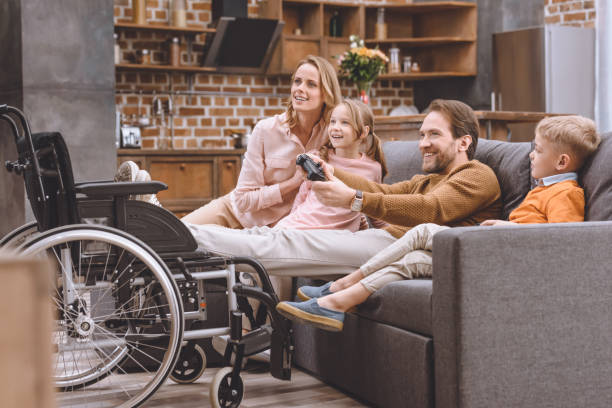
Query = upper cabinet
x=186 y=36
x=439 y=36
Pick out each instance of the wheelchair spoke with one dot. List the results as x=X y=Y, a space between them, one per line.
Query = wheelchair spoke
x=118 y=319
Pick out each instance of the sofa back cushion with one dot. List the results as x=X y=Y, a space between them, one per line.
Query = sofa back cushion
x=596 y=179
x=509 y=161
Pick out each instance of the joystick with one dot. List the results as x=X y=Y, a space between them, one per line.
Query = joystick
x=313 y=170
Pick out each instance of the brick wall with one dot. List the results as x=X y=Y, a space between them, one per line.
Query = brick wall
x=578 y=13
x=217 y=104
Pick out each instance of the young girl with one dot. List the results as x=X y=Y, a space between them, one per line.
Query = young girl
x=350 y=129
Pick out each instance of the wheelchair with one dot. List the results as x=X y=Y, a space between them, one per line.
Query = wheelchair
x=129 y=286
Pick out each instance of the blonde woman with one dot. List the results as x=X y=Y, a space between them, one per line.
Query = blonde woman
x=269 y=179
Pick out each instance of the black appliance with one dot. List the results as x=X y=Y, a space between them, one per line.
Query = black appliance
x=243 y=45
x=229 y=8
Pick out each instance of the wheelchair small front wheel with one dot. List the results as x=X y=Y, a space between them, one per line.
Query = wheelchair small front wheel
x=224 y=391
x=190 y=365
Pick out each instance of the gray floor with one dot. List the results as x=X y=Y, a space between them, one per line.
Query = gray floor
x=261 y=390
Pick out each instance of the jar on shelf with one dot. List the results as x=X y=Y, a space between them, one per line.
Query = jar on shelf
x=415 y=67
x=394 y=64
x=139 y=11
x=381 y=26
x=175 y=52
x=335 y=25
x=117 y=49
x=143 y=57
x=407 y=65
x=179 y=13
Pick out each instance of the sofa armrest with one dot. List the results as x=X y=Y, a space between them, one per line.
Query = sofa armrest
x=522 y=316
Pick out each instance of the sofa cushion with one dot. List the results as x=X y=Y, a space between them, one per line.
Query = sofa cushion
x=403 y=160
x=509 y=161
x=596 y=179
x=403 y=304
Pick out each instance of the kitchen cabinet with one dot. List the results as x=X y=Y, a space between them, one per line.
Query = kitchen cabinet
x=439 y=36
x=194 y=177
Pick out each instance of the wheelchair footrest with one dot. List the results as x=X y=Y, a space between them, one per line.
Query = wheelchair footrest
x=257 y=340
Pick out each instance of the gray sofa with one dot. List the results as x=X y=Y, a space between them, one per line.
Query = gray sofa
x=514 y=316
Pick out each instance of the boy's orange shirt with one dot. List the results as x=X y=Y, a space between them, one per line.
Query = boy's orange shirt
x=559 y=202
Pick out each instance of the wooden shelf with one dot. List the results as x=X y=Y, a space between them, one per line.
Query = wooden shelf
x=440 y=36
x=167 y=28
x=302 y=37
x=429 y=7
x=418 y=76
x=162 y=68
x=421 y=41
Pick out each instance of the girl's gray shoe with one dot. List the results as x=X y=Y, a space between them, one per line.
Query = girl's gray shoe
x=312 y=292
x=311 y=313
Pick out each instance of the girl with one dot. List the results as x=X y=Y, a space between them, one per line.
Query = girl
x=269 y=180
x=350 y=130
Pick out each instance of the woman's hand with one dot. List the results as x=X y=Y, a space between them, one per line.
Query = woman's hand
x=495 y=223
x=291 y=184
x=333 y=192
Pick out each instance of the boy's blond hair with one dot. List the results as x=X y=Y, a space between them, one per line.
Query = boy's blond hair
x=575 y=133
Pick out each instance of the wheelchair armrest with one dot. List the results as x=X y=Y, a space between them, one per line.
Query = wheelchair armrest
x=112 y=188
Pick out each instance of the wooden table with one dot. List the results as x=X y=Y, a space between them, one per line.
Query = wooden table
x=498 y=125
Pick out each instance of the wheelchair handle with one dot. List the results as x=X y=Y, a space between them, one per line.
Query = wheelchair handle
x=5 y=114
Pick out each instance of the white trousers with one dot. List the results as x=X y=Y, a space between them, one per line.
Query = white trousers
x=291 y=252
x=407 y=258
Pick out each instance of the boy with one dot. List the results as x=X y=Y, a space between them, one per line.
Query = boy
x=562 y=144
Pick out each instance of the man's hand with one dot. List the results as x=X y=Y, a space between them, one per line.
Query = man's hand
x=495 y=223
x=333 y=192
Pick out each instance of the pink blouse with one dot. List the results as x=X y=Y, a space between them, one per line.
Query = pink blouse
x=269 y=160
x=309 y=213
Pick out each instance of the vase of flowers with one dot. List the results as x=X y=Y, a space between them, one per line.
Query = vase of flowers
x=362 y=65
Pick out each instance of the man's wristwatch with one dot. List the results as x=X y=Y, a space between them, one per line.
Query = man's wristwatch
x=357 y=202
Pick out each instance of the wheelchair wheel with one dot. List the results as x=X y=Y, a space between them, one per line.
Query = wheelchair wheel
x=225 y=393
x=118 y=321
x=19 y=235
x=190 y=365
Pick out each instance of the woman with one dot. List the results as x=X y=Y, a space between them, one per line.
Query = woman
x=269 y=179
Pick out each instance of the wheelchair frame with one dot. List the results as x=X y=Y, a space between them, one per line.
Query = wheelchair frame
x=129 y=284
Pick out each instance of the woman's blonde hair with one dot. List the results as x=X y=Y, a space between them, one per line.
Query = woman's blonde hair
x=329 y=85
x=361 y=116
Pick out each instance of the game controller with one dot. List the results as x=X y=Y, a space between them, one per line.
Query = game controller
x=313 y=170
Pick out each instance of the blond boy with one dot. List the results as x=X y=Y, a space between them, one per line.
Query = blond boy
x=561 y=146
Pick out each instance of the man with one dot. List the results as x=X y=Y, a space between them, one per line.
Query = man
x=457 y=191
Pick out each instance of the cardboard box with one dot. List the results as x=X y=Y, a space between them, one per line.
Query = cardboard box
x=25 y=334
